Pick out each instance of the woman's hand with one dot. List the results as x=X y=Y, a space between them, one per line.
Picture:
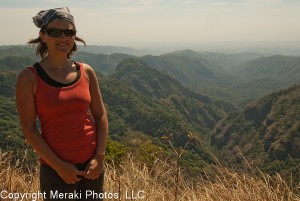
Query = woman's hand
x=94 y=168
x=69 y=173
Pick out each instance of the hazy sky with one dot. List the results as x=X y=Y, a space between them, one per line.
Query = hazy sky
x=119 y=22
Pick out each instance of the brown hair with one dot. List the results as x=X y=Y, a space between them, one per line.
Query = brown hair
x=42 y=50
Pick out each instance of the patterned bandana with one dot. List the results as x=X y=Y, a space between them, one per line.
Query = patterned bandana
x=46 y=16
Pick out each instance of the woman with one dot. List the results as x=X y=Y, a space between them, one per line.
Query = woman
x=65 y=97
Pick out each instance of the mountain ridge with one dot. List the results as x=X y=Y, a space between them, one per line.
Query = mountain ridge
x=151 y=82
x=266 y=132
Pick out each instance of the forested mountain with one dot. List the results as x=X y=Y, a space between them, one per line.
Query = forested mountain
x=197 y=72
x=17 y=50
x=96 y=49
x=229 y=61
x=264 y=75
x=106 y=64
x=195 y=108
x=10 y=130
x=267 y=132
x=285 y=69
x=16 y=57
x=191 y=69
x=246 y=80
x=237 y=78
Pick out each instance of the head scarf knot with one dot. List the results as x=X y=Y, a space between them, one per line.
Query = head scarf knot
x=46 y=16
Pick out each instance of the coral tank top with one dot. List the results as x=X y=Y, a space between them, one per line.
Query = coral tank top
x=63 y=112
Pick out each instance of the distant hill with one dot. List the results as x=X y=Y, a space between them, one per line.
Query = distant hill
x=105 y=64
x=237 y=78
x=195 y=108
x=17 y=51
x=229 y=61
x=16 y=57
x=264 y=75
x=266 y=131
x=190 y=68
x=101 y=49
x=196 y=72
x=285 y=69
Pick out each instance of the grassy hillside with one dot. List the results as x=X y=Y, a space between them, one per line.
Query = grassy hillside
x=160 y=182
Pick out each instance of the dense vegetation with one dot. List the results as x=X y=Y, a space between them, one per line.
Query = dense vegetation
x=266 y=132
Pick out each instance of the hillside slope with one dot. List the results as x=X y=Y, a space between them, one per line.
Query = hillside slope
x=190 y=68
x=285 y=69
x=229 y=61
x=266 y=131
x=195 y=108
x=105 y=64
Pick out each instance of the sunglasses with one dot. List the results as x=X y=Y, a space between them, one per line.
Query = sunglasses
x=56 y=32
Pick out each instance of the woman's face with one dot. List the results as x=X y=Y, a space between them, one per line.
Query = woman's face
x=59 y=37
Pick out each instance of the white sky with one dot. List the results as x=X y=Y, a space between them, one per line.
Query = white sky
x=118 y=22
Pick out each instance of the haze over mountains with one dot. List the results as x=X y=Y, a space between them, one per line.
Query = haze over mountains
x=243 y=102
x=219 y=75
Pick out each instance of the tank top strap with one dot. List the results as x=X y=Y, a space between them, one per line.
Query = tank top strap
x=79 y=66
x=82 y=71
x=33 y=70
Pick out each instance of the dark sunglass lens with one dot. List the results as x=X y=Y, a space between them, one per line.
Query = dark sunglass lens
x=70 y=32
x=54 y=32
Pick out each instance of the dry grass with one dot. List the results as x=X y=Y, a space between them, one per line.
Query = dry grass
x=158 y=183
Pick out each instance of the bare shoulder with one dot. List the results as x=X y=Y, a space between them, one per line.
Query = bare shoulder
x=89 y=71
x=87 y=67
x=26 y=82
x=26 y=76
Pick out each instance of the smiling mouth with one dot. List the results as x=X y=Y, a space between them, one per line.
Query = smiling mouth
x=62 y=44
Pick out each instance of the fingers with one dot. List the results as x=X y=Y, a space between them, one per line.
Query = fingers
x=91 y=177
x=80 y=173
x=71 y=182
x=74 y=179
x=92 y=174
x=72 y=175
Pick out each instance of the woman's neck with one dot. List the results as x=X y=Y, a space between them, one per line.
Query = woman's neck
x=55 y=62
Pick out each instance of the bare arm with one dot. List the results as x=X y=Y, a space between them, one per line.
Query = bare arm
x=100 y=117
x=25 y=89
